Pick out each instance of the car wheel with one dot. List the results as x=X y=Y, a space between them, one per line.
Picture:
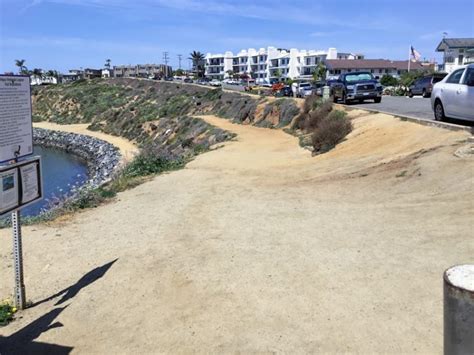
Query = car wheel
x=345 y=101
x=439 y=111
x=424 y=94
x=334 y=99
x=360 y=101
x=378 y=100
x=410 y=94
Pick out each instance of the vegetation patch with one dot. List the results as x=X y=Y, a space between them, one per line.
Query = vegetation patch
x=321 y=126
x=6 y=312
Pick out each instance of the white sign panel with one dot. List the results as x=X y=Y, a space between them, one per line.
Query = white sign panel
x=29 y=182
x=8 y=190
x=16 y=133
x=20 y=185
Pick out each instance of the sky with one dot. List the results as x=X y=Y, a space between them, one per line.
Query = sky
x=68 y=34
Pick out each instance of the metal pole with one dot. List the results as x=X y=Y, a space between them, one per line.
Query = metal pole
x=19 y=301
x=459 y=310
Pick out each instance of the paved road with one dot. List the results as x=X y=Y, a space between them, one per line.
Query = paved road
x=401 y=105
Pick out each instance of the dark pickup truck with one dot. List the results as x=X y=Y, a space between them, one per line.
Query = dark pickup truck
x=356 y=86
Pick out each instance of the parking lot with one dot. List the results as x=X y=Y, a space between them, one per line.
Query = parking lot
x=417 y=107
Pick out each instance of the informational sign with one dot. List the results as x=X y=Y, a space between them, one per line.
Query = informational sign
x=16 y=133
x=20 y=185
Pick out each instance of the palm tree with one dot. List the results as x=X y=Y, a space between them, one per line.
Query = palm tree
x=107 y=63
x=198 y=62
x=20 y=63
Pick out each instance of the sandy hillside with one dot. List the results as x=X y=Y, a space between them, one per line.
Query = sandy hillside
x=259 y=247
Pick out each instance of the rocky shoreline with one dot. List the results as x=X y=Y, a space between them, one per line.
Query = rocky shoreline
x=101 y=157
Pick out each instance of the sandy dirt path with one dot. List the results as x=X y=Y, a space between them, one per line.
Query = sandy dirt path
x=259 y=247
x=127 y=148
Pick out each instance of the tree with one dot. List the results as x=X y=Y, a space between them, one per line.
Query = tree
x=197 y=59
x=178 y=72
x=20 y=63
x=107 y=63
x=37 y=72
x=319 y=73
x=388 y=80
x=230 y=73
x=277 y=74
x=407 y=78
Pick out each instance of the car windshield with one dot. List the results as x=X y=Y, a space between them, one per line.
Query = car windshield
x=304 y=85
x=358 y=77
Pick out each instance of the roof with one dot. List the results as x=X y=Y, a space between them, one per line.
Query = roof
x=372 y=64
x=455 y=43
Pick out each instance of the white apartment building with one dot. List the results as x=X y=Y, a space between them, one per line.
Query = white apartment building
x=456 y=52
x=269 y=64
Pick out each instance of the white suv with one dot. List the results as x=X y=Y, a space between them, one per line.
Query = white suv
x=454 y=95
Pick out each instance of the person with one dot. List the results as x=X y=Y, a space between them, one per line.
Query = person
x=294 y=89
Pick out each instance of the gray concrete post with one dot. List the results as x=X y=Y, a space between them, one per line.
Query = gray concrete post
x=459 y=310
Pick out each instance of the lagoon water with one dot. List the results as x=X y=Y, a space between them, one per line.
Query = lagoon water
x=61 y=171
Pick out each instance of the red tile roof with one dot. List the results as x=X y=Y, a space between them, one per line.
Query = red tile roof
x=372 y=64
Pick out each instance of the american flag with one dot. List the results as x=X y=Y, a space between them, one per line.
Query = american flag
x=414 y=54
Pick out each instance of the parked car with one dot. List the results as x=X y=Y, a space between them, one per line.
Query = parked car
x=358 y=86
x=215 y=82
x=424 y=86
x=169 y=78
x=188 y=80
x=454 y=95
x=203 y=81
x=318 y=87
x=304 y=89
x=266 y=85
x=284 y=91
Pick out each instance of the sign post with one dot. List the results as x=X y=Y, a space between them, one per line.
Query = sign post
x=19 y=301
x=21 y=181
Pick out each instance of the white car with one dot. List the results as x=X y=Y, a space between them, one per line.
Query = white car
x=304 y=89
x=215 y=83
x=454 y=95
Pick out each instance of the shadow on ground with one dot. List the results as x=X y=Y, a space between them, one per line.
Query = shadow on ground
x=84 y=281
x=22 y=341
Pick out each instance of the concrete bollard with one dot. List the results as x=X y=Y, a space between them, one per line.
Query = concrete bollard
x=459 y=310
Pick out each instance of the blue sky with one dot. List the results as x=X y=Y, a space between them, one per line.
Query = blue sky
x=65 y=34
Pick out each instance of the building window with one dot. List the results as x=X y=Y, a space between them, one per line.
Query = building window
x=449 y=59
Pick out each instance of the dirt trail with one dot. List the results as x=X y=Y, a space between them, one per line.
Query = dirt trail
x=259 y=247
x=127 y=148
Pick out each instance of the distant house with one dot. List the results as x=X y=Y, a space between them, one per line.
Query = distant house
x=378 y=67
x=142 y=70
x=43 y=80
x=107 y=73
x=92 y=73
x=73 y=75
x=456 y=52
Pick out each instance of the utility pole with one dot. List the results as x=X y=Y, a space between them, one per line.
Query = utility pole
x=165 y=60
x=179 y=60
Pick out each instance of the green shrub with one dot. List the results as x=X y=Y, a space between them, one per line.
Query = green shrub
x=148 y=163
x=6 y=313
x=330 y=131
x=314 y=117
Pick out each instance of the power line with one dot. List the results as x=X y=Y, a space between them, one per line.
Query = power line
x=179 y=60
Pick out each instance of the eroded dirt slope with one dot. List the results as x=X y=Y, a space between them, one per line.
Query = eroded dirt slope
x=259 y=247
